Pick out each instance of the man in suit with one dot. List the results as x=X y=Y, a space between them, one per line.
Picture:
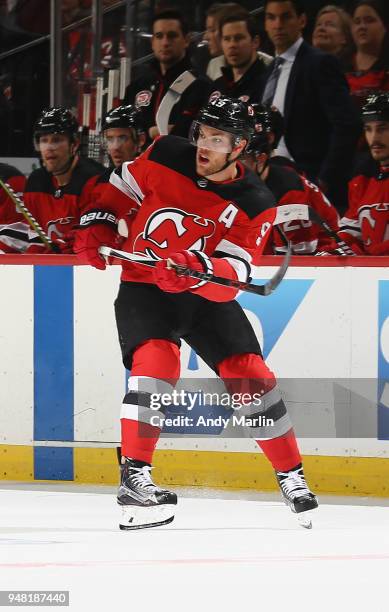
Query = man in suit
x=309 y=89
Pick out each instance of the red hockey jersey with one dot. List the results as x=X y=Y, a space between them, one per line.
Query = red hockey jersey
x=365 y=225
x=176 y=209
x=56 y=208
x=13 y=229
x=306 y=237
x=365 y=82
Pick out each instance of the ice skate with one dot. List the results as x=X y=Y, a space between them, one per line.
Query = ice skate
x=143 y=504
x=297 y=495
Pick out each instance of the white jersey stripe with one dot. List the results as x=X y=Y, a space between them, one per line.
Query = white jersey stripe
x=234 y=250
x=127 y=184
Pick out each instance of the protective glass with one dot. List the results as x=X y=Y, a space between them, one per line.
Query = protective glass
x=222 y=142
x=114 y=142
x=50 y=143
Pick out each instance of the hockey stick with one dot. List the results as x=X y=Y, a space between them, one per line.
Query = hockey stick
x=265 y=289
x=32 y=222
x=304 y=212
x=343 y=249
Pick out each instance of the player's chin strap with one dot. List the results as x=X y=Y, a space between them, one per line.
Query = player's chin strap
x=227 y=163
x=65 y=168
x=265 y=289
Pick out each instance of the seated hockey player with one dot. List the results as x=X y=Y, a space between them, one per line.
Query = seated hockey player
x=288 y=187
x=365 y=225
x=13 y=228
x=124 y=134
x=57 y=193
x=124 y=137
x=199 y=207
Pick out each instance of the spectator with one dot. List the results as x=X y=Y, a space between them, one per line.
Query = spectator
x=332 y=33
x=214 y=70
x=57 y=193
x=33 y=17
x=13 y=229
x=309 y=89
x=365 y=226
x=243 y=75
x=212 y=36
x=169 y=43
x=288 y=188
x=369 y=72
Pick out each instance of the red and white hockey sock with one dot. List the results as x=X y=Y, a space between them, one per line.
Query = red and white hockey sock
x=282 y=452
x=248 y=372
x=155 y=371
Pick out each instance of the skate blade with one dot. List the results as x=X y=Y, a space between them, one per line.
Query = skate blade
x=304 y=520
x=135 y=517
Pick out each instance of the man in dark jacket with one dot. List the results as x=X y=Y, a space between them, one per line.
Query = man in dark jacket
x=169 y=43
x=244 y=74
x=309 y=89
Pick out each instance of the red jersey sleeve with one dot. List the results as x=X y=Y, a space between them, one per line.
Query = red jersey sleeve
x=305 y=236
x=13 y=226
x=234 y=254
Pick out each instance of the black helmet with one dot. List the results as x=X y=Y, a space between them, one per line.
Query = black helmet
x=268 y=120
x=376 y=107
x=230 y=115
x=56 y=120
x=124 y=117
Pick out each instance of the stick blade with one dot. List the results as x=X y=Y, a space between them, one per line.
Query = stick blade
x=273 y=283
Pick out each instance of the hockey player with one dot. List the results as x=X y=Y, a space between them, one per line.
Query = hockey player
x=365 y=225
x=124 y=137
x=288 y=187
x=56 y=193
x=197 y=206
x=124 y=134
x=13 y=229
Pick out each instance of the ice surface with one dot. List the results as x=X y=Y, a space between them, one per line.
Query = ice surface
x=218 y=554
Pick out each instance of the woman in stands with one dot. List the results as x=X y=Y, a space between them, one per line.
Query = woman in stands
x=369 y=72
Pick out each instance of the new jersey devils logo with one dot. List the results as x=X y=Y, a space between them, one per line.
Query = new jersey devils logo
x=169 y=230
x=59 y=227
x=374 y=220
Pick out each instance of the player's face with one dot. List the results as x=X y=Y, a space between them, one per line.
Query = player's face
x=214 y=147
x=367 y=28
x=239 y=48
x=282 y=24
x=328 y=34
x=56 y=151
x=121 y=145
x=168 y=43
x=211 y=35
x=377 y=137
